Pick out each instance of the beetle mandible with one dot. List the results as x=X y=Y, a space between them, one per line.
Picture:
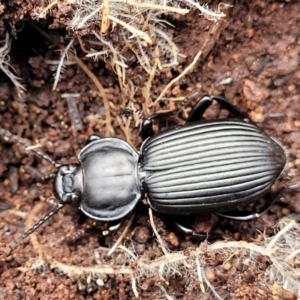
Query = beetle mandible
x=203 y=166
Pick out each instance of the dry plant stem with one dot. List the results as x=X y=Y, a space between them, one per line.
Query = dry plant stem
x=154 y=6
x=5 y=66
x=136 y=32
x=117 y=62
x=280 y=234
x=220 y=245
x=60 y=65
x=126 y=130
x=113 y=248
x=146 y=90
x=149 y=267
x=174 y=99
x=185 y=71
x=266 y=251
x=206 y=12
x=174 y=48
x=85 y=19
x=128 y=251
x=105 y=21
x=71 y=270
x=82 y=45
x=210 y=286
x=133 y=286
x=167 y=296
x=160 y=241
x=90 y=74
x=35 y=146
x=293 y=255
x=15 y=212
x=48 y=7
x=199 y=272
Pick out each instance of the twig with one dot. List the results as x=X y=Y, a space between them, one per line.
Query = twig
x=151 y=5
x=211 y=287
x=82 y=45
x=128 y=251
x=61 y=63
x=168 y=297
x=161 y=242
x=133 y=286
x=118 y=62
x=126 y=129
x=174 y=48
x=185 y=71
x=132 y=29
x=113 y=248
x=199 y=272
x=15 y=212
x=5 y=66
x=208 y=13
x=71 y=270
x=105 y=21
x=148 y=84
x=44 y=12
x=82 y=23
x=282 y=232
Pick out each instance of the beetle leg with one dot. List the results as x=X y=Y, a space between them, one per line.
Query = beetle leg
x=112 y=228
x=92 y=138
x=270 y=200
x=202 y=105
x=202 y=236
x=189 y=231
x=147 y=125
x=115 y=226
x=195 y=115
x=147 y=130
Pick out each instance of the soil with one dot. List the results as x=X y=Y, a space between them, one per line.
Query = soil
x=251 y=57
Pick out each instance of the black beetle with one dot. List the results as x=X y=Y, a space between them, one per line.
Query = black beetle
x=202 y=166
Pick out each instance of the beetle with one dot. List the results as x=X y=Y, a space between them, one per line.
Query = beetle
x=203 y=166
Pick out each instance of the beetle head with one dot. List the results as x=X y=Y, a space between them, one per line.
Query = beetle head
x=68 y=184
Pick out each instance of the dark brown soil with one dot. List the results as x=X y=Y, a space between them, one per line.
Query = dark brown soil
x=251 y=57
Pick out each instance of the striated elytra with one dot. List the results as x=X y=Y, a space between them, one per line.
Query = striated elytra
x=210 y=166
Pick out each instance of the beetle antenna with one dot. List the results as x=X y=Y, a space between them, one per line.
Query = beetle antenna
x=8 y=136
x=18 y=240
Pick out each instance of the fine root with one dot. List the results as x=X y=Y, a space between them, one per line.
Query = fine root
x=182 y=74
x=5 y=66
x=134 y=24
x=282 y=250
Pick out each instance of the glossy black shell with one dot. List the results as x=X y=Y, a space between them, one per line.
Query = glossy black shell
x=209 y=166
x=111 y=187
